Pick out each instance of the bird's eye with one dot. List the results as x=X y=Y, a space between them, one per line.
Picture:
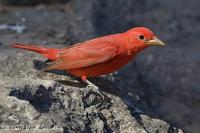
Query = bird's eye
x=141 y=37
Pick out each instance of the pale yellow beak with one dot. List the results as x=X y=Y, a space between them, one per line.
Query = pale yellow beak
x=155 y=41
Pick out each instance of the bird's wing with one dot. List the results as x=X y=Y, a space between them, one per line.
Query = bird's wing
x=84 y=55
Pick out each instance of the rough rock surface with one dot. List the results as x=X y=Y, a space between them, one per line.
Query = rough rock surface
x=59 y=103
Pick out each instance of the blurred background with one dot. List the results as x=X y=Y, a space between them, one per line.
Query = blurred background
x=166 y=79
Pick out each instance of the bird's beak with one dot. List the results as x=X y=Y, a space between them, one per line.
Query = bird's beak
x=155 y=41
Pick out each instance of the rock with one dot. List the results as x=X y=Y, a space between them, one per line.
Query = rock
x=48 y=104
x=57 y=102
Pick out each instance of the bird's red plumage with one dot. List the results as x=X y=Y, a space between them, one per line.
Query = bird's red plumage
x=98 y=56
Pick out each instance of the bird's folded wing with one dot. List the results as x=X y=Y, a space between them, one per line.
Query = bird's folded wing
x=79 y=57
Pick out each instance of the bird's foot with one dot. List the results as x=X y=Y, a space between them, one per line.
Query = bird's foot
x=95 y=89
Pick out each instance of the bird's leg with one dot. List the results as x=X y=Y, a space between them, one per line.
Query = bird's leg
x=92 y=86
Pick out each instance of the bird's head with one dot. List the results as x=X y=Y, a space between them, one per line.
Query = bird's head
x=141 y=37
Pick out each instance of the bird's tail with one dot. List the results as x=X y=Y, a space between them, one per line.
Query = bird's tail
x=50 y=53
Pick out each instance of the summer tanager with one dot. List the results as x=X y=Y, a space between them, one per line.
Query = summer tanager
x=99 y=56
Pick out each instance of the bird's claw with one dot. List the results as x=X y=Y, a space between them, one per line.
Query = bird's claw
x=95 y=89
x=89 y=86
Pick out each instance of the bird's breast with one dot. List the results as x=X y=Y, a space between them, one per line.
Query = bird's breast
x=102 y=68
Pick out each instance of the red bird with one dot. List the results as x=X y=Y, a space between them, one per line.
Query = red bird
x=98 y=56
